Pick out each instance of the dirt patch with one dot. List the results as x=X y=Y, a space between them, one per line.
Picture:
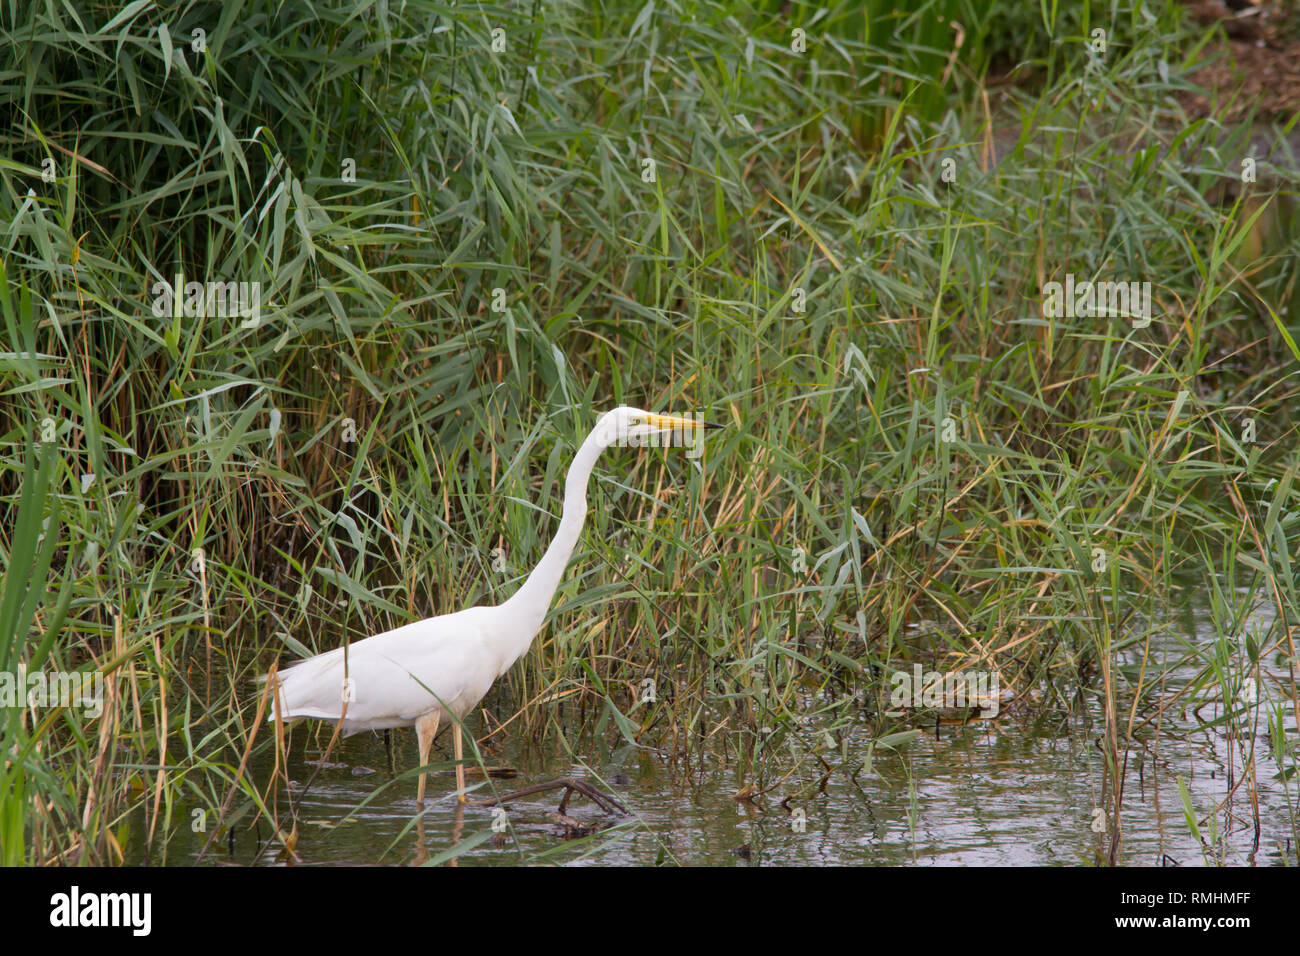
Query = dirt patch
x=1259 y=71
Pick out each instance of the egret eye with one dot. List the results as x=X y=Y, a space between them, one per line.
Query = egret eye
x=634 y=420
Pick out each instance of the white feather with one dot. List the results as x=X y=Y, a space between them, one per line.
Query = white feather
x=445 y=663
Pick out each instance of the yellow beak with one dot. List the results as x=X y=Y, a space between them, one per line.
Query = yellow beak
x=678 y=423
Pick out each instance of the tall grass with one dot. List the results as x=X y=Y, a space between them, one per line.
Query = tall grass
x=838 y=252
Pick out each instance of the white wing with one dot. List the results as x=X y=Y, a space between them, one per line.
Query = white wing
x=445 y=663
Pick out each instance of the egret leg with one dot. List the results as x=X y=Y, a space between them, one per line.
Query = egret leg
x=460 y=765
x=426 y=728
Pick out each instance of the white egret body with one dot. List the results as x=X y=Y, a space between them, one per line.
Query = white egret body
x=425 y=673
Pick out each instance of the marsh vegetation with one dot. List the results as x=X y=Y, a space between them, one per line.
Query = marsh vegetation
x=473 y=228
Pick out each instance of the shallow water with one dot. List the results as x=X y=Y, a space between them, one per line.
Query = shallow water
x=1017 y=789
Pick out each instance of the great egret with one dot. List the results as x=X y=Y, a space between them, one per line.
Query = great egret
x=436 y=671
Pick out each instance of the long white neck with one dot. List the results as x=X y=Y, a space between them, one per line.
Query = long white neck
x=528 y=605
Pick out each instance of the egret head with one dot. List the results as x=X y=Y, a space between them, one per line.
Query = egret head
x=635 y=426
